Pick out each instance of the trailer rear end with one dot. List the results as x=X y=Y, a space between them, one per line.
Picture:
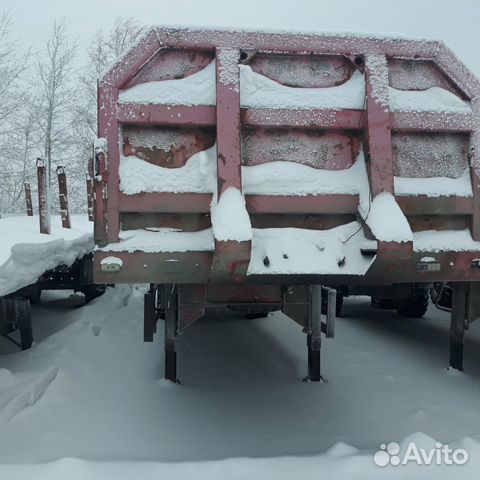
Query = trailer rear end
x=250 y=169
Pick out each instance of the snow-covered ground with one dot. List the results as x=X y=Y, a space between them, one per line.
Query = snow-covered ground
x=88 y=400
x=25 y=253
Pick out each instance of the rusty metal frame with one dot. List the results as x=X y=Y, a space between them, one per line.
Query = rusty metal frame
x=376 y=121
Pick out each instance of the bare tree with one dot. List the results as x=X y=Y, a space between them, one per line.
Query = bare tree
x=12 y=65
x=17 y=154
x=103 y=50
x=56 y=91
x=15 y=125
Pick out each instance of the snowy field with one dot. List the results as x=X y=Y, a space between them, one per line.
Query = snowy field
x=88 y=400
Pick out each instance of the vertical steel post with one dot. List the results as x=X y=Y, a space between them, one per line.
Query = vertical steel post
x=63 y=195
x=171 y=323
x=331 y=312
x=100 y=197
x=43 y=196
x=457 y=324
x=379 y=136
x=149 y=314
x=90 y=189
x=314 y=334
x=23 y=320
x=28 y=199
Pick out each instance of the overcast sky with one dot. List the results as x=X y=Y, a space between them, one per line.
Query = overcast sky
x=457 y=22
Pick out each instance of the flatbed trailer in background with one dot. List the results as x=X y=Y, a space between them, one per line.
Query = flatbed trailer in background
x=249 y=169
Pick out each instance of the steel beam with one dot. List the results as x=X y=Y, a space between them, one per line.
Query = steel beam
x=378 y=134
x=171 y=331
x=457 y=324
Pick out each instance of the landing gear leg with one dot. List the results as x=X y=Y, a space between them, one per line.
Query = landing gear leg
x=171 y=329
x=457 y=324
x=149 y=314
x=314 y=335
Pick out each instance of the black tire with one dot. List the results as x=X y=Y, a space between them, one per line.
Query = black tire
x=416 y=306
x=445 y=301
x=338 y=307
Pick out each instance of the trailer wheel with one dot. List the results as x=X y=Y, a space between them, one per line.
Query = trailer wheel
x=339 y=304
x=416 y=306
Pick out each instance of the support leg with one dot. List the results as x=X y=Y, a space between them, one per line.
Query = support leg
x=314 y=338
x=149 y=315
x=161 y=301
x=457 y=324
x=24 y=322
x=171 y=323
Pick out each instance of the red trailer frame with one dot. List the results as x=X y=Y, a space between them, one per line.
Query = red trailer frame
x=197 y=279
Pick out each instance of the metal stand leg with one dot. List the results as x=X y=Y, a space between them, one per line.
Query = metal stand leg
x=314 y=338
x=24 y=322
x=161 y=301
x=457 y=324
x=149 y=315
x=171 y=323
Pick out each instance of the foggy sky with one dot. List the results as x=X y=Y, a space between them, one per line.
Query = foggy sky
x=455 y=22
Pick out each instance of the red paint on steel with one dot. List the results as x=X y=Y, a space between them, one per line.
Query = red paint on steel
x=133 y=114
x=175 y=52
x=165 y=202
x=311 y=71
x=431 y=122
x=417 y=74
x=167 y=147
x=100 y=192
x=228 y=120
x=315 y=148
x=313 y=118
x=423 y=205
x=379 y=141
x=474 y=164
x=231 y=258
x=324 y=204
x=155 y=267
x=171 y=64
x=134 y=60
x=109 y=129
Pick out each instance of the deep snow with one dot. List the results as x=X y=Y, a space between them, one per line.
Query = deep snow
x=241 y=396
x=25 y=253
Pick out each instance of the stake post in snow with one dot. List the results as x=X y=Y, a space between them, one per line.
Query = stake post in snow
x=43 y=200
x=63 y=194
x=90 y=189
x=28 y=199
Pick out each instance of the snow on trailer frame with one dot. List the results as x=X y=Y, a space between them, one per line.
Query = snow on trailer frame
x=248 y=168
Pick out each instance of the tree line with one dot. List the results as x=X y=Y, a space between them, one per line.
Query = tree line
x=48 y=106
